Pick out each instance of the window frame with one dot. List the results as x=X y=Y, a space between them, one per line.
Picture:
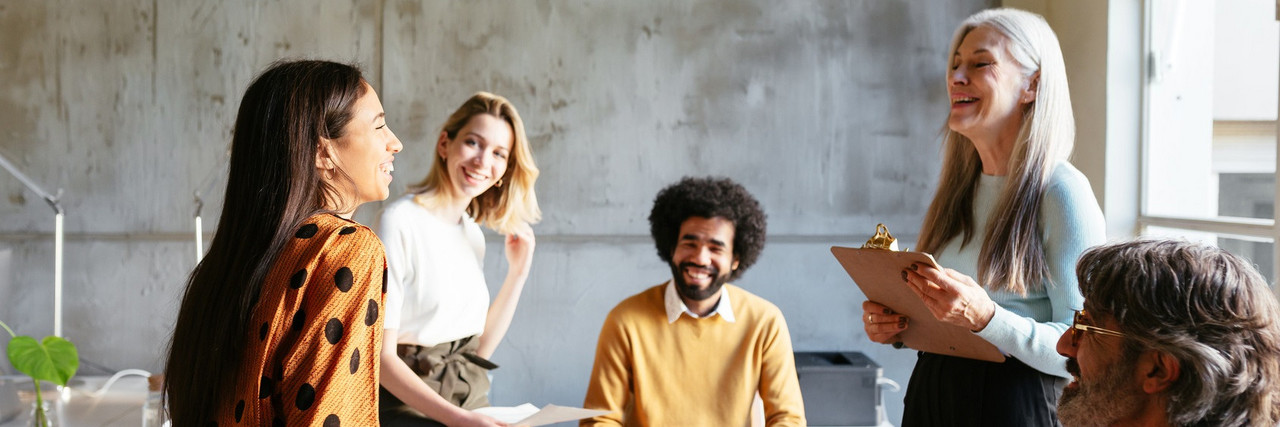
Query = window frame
x=1253 y=229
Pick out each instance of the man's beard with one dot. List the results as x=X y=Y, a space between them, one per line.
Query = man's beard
x=692 y=293
x=1101 y=401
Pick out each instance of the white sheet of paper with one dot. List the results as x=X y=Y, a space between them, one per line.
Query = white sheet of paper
x=508 y=414
x=531 y=416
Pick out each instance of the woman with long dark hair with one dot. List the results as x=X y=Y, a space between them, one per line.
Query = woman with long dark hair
x=441 y=326
x=1010 y=218
x=280 y=322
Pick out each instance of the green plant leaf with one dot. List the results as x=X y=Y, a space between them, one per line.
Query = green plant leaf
x=55 y=360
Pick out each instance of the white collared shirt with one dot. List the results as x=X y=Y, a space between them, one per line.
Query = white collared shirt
x=675 y=306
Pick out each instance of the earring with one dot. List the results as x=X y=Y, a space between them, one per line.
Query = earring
x=499 y=184
x=328 y=174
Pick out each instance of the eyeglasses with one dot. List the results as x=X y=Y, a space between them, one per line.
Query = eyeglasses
x=1078 y=328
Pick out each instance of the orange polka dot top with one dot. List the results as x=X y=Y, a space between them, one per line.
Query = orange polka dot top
x=317 y=331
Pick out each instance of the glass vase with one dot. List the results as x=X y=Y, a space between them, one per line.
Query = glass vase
x=42 y=415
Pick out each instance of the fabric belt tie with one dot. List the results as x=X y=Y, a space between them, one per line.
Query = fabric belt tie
x=453 y=369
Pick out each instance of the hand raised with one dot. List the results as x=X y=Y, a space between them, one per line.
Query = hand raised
x=519 y=246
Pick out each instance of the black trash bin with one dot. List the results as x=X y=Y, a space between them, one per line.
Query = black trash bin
x=839 y=388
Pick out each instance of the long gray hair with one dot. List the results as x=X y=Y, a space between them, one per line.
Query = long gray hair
x=1011 y=258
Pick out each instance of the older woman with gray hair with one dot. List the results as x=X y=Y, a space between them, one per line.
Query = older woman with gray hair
x=1010 y=217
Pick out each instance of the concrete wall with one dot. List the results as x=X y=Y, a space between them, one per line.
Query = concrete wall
x=828 y=111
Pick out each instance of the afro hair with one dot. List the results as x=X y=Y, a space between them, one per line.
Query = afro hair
x=708 y=198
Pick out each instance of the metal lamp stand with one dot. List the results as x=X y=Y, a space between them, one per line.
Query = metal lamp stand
x=53 y=201
x=207 y=186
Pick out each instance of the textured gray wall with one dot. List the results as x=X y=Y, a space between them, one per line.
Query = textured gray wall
x=827 y=110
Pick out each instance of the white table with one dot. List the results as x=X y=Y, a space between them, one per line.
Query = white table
x=119 y=406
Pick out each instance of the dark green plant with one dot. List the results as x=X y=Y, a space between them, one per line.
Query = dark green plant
x=53 y=359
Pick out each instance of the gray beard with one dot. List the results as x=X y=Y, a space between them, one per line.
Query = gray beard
x=1101 y=402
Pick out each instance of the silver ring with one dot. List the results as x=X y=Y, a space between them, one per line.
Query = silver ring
x=869 y=319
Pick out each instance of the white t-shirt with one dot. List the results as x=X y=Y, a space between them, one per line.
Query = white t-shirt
x=436 y=291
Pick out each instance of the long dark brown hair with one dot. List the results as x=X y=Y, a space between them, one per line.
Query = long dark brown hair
x=272 y=186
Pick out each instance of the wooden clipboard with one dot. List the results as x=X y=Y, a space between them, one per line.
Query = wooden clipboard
x=877 y=269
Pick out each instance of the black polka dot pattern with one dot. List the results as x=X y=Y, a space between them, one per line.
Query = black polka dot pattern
x=333 y=330
x=343 y=279
x=278 y=371
x=306 y=396
x=298 y=318
x=298 y=279
x=265 y=388
x=371 y=314
x=307 y=231
x=316 y=311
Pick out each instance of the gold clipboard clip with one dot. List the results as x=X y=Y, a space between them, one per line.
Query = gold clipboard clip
x=882 y=240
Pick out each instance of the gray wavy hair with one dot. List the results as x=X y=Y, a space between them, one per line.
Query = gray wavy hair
x=1209 y=309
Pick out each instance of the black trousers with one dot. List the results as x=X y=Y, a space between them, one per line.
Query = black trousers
x=954 y=391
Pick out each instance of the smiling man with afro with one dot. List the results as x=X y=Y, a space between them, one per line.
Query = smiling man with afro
x=709 y=198
x=696 y=350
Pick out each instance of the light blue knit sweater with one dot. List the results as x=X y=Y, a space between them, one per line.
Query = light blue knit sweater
x=1028 y=328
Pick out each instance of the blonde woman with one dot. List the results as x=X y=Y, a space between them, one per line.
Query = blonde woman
x=440 y=324
x=1009 y=219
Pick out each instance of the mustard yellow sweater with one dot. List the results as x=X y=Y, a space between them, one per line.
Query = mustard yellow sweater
x=694 y=372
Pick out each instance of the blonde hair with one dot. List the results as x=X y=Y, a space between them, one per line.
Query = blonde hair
x=500 y=208
x=1012 y=258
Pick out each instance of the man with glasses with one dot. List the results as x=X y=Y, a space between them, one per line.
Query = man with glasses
x=1172 y=333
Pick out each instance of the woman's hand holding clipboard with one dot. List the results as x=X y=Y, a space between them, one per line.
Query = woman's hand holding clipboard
x=885 y=276
x=951 y=296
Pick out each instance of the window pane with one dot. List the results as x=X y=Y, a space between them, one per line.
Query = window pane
x=1258 y=252
x=1248 y=195
x=1212 y=109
